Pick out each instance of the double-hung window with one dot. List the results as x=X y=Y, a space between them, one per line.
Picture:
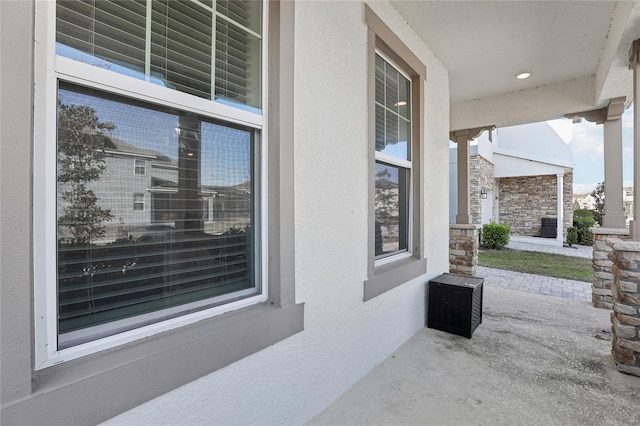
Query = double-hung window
x=177 y=87
x=396 y=132
x=138 y=202
x=393 y=160
x=139 y=166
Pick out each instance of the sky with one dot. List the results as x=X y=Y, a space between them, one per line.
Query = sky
x=588 y=150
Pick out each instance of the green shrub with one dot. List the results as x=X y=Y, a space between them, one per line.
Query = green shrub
x=572 y=236
x=585 y=237
x=583 y=221
x=495 y=235
x=582 y=213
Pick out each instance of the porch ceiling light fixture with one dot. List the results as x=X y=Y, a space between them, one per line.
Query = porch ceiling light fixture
x=523 y=75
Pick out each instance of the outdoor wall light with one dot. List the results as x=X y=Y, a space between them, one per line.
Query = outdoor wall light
x=523 y=75
x=483 y=194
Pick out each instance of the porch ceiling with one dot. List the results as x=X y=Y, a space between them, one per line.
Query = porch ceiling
x=577 y=52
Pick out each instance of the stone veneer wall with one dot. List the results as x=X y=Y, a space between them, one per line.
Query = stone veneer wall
x=603 y=277
x=625 y=318
x=463 y=249
x=525 y=200
x=481 y=177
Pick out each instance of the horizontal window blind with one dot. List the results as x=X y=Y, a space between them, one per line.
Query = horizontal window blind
x=186 y=45
x=104 y=32
x=99 y=284
x=393 y=122
x=181 y=39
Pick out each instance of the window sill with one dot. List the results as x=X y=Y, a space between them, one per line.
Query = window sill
x=138 y=372
x=391 y=275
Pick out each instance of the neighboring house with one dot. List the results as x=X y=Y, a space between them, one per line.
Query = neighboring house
x=266 y=308
x=139 y=187
x=514 y=174
x=628 y=203
x=584 y=201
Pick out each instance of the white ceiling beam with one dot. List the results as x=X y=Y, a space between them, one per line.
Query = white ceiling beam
x=526 y=106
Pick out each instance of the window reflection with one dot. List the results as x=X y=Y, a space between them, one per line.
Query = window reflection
x=391 y=212
x=177 y=230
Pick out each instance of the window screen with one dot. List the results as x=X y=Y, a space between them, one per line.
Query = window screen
x=187 y=239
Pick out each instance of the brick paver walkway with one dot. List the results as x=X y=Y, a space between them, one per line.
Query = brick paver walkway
x=575 y=251
x=568 y=289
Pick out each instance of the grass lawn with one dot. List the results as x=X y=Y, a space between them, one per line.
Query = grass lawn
x=550 y=265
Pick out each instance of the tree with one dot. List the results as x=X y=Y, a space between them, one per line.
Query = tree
x=386 y=199
x=598 y=196
x=81 y=155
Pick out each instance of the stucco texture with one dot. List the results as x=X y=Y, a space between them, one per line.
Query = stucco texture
x=344 y=337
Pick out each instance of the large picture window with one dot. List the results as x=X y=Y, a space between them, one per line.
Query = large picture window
x=393 y=159
x=173 y=91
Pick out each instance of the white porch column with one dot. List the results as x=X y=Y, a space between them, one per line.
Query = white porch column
x=610 y=116
x=463 y=138
x=613 y=186
x=634 y=59
x=560 y=208
x=463 y=216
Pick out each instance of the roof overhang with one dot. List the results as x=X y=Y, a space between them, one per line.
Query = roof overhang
x=577 y=52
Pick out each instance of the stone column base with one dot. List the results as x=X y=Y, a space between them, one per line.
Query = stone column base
x=625 y=318
x=603 y=242
x=463 y=248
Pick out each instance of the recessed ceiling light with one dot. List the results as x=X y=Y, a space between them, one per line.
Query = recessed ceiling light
x=523 y=75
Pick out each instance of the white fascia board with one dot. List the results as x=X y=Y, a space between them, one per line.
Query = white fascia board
x=512 y=166
x=536 y=158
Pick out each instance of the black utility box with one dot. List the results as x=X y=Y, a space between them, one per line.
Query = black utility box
x=454 y=304
x=549 y=228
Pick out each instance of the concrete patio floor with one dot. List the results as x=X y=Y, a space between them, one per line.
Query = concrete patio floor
x=534 y=360
x=544 y=245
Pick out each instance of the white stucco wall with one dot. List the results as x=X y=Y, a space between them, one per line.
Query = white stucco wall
x=534 y=141
x=344 y=338
x=508 y=166
x=485 y=145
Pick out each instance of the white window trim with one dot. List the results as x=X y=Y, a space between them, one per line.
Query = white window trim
x=139 y=202
x=386 y=158
x=143 y=167
x=45 y=195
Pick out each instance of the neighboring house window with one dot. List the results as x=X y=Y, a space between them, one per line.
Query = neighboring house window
x=139 y=166
x=180 y=82
x=393 y=160
x=396 y=129
x=138 y=202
